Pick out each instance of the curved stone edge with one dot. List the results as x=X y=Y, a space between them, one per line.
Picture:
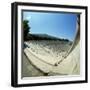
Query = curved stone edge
x=42 y=66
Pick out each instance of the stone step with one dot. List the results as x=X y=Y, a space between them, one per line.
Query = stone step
x=44 y=67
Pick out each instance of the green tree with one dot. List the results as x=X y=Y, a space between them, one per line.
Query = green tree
x=26 y=28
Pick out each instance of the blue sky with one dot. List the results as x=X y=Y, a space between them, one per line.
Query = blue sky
x=62 y=25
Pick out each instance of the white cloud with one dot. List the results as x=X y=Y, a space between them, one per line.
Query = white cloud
x=28 y=17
